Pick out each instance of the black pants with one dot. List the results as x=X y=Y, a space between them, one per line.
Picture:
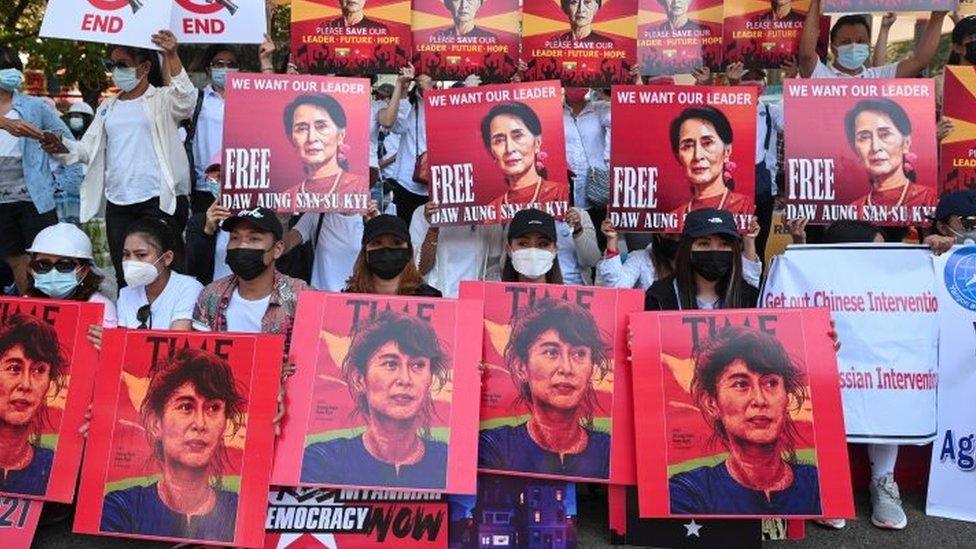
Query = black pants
x=406 y=202
x=118 y=218
x=200 y=201
x=764 y=212
x=597 y=215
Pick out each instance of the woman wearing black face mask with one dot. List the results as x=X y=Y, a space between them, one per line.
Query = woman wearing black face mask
x=707 y=272
x=385 y=265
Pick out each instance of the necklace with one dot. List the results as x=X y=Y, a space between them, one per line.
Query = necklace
x=904 y=193
x=414 y=457
x=23 y=461
x=535 y=196
x=575 y=447
x=721 y=203
x=203 y=508
x=335 y=183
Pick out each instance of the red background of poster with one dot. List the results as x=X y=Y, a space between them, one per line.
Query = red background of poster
x=66 y=409
x=823 y=135
x=667 y=54
x=323 y=323
x=761 y=52
x=19 y=522
x=959 y=105
x=494 y=62
x=544 y=19
x=666 y=409
x=609 y=308
x=454 y=136
x=641 y=138
x=361 y=59
x=118 y=455
x=243 y=130
x=881 y=6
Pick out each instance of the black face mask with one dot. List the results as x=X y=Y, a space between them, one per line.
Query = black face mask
x=247 y=263
x=387 y=263
x=668 y=248
x=712 y=265
x=971 y=53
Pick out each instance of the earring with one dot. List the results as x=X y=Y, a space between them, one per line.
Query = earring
x=908 y=164
x=540 y=159
x=343 y=152
x=727 y=169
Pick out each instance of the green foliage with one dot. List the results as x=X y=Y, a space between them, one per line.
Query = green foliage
x=898 y=51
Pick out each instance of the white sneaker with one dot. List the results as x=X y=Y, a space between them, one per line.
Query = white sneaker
x=832 y=524
x=886 y=511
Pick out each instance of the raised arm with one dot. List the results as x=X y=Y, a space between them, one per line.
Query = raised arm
x=925 y=48
x=808 y=56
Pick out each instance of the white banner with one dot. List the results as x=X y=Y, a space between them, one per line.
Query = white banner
x=125 y=22
x=219 y=21
x=952 y=480
x=882 y=298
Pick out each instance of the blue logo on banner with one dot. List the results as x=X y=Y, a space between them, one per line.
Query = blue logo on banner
x=960 y=277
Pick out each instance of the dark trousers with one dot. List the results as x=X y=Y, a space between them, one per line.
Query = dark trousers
x=597 y=215
x=119 y=218
x=406 y=202
x=764 y=212
x=200 y=201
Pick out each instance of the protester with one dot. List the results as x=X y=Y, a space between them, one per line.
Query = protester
x=78 y=118
x=206 y=244
x=336 y=240
x=586 y=125
x=576 y=247
x=954 y=221
x=156 y=296
x=532 y=249
x=206 y=125
x=385 y=263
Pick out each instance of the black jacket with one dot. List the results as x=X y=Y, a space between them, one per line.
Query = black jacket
x=200 y=249
x=662 y=297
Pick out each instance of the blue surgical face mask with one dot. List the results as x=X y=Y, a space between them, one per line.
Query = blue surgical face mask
x=853 y=56
x=56 y=284
x=219 y=76
x=11 y=79
x=125 y=78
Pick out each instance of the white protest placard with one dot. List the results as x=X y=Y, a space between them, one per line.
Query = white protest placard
x=882 y=299
x=952 y=483
x=125 y=22
x=219 y=21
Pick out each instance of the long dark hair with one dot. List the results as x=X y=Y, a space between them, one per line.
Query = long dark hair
x=730 y=287
x=662 y=262
x=142 y=55
x=160 y=234
x=705 y=113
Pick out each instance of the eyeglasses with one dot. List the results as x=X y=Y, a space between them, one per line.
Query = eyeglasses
x=112 y=65
x=42 y=266
x=223 y=65
x=144 y=316
x=968 y=223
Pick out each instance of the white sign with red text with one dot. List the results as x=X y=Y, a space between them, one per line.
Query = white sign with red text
x=219 y=21
x=882 y=299
x=125 y=22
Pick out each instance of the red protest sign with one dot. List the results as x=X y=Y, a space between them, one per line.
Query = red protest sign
x=18 y=521
x=296 y=143
x=188 y=412
x=584 y=43
x=350 y=37
x=382 y=367
x=454 y=39
x=866 y=151
x=959 y=105
x=678 y=149
x=44 y=341
x=679 y=36
x=495 y=150
x=558 y=348
x=724 y=390
x=763 y=35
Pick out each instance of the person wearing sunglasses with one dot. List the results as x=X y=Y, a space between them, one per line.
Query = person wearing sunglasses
x=156 y=296
x=954 y=221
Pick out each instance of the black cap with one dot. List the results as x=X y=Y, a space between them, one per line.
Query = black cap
x=961 y=203
x=964 y=27
x=532 y=221
x=385 y=224
x=709 y=221
x=384 y=90
x=262 y=218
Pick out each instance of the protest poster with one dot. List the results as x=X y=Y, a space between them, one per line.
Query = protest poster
x=882 y=6
x=677 y=149
x=884 y=305
x=958 y=168
x=124 y=22
x=515 y=512
x=18 y=522
x=952 y=488
x=555 y=347
x=349 y=37
x=219 y=21
x=454 y=39
x=382 y=367
x=865 y=150
x=763 y=35
x=679 y=36
x=307 y=150
x=44 y=341
x=495 y=150
x=583 y=43
x=314 y=518
x=727 y=393
x=200 y=406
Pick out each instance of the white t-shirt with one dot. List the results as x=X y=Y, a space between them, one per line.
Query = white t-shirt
x=339 y=243
x=245 y=316
x=174 y=303
x=566 y=254
x=132 y=172
x=411 y=126
x=13 y=187
x=110 y=319
x=220 y=255
x=829 y=71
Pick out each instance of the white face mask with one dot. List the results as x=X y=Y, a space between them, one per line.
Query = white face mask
x=532 y=262
x=140 y=273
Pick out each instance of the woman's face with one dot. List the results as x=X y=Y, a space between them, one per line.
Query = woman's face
x=751 y=406
x=532 y=240
x=711 y=243
x=191 y=427
x=138 y=248
x=512 y=145
x=581 y=12
x=879 y=145
x=464 y=11
x=558 y=373
x=315 y=135
x=120 y=56
x=386 y=241
x=676 y=8
x=702 y=152
x=81 y=268
x=396 y=384
x=24 y=383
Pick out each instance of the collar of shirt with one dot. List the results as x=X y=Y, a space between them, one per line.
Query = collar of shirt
x=278 y=285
